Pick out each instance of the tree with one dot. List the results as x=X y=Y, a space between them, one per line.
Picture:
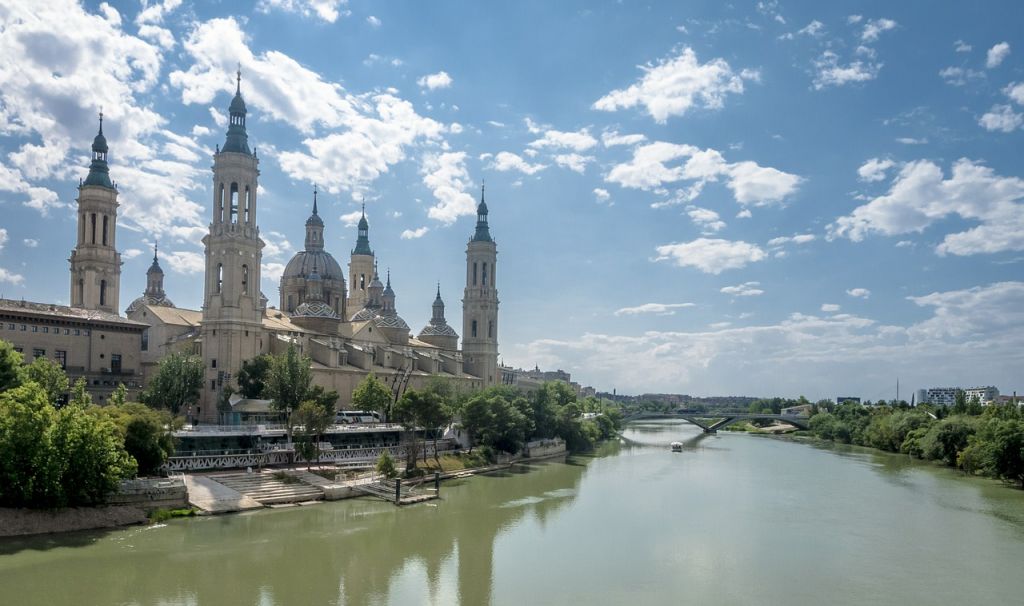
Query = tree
x=386 y=465
x=424 y=409
x=252 y=378
x=371 y=394
x=176 y=383
x=79 y=396
x=476 y=419
x=93 y=457
x=288 y=382
x=328 y=400
x=29 y=473
x=313 y=419
x=50 y=376
x=119 y=397
x=12 y=372
x=146 y=433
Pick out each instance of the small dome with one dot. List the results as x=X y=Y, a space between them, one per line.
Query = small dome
x=365 y=314
x=237 y=104
x=438 y=331
x=148 y=300
x=99 y=144
x=304 y=261
x=315 y=309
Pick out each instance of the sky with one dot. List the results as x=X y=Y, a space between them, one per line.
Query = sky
x=746 y=198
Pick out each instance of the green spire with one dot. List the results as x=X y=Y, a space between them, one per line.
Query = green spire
x=483 y=232
x=99 y=172
x=237 y=140
x=363 y=241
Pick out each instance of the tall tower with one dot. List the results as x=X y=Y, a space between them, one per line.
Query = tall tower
x=480 y=303
x=155 y=279
x=232 y=310
x=360 y=267
x=437 y=332
x=95 y=262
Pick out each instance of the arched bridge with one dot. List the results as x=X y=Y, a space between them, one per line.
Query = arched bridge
x=711 y=422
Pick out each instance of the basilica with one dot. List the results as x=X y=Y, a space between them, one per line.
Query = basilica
x=349 y=328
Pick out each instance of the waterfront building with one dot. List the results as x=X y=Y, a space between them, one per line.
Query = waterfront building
x=847 y=400
x=946 y=396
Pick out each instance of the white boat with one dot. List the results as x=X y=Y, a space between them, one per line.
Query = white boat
x=677 y=447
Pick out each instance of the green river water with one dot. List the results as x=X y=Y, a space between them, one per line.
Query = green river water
x=734 y=519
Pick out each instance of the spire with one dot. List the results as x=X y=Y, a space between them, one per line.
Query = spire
x=483 y=232
x=99 y=172
x=314 y=199
x=363 y=239
x=237 y=140
x=155 y=267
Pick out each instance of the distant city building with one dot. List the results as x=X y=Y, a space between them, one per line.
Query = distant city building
x=847 y=400
x=946 y=396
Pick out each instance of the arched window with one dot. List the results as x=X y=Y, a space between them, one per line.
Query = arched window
x=248 y=205
x=103 y=292
x=220 y=276
x=473 y=329
x=362 y=282
x=81 y=235
x=93 y=219
x=245 y=279
x=234 y=203
x=81 y=292
x=105 y=218
x=220 y=203
x=490 y=329
x=484 y=280
x=474 y=273
x=291 y=303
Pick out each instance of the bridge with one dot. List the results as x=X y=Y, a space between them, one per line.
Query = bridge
x=711 y=422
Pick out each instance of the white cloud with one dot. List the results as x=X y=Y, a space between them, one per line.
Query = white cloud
x=829 y=72
x=184 y=262
x=130 y=253
x=580 y=140
x=911 y=141
x=711 y=255
x=435 y=81
x=677 y=84
x=412 y=234
x=11 y=277
x=1001 y=118
x=506 y=161
x=971 y=333
x=496 y=124
x=30 y=242
x=747 y=289
x=613 y=138
x=797 y=239
x=3 y=237
x=962 y=47
x=602 y=195
x=960 y=76
x=1015 y=91
x=373 y=21
x=661 y=309
x=750 y=183
x=996 y=54
x=875 y=169
x=859 y=293
x=574 y=162
x=351 y=219
x=872 y=29
x=854 y=19
x=277 y=245
x=829 y=307
x=326 y=10
x=744 y=214
x=706 y=219
x=920 y=195
x=448 y=179
x=271 y=272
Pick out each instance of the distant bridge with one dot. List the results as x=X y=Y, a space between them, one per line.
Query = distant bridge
x=711 y=422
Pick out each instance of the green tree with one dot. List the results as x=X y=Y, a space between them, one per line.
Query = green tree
x=119 y=397
x=312 y=419
x=371 y=394
x=423 y=409
x=93 y=457
x=947 y=438
x=79 y=396
x=50 y=376
x=288 y=382
x=252 y=378
x=147 y=434
x=12 y=372
x=477 y=419
x=328 y=400
x=386 y=465
x=176 y=383
x=29 y=471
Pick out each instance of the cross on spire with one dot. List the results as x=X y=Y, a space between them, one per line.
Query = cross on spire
x=238 y=79
x=101 y=119
x=156 y=244
x=314 y=199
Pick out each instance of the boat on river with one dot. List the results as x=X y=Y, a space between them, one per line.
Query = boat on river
x=677 y=447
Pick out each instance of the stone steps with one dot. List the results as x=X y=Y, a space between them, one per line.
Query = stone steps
x=267 y=489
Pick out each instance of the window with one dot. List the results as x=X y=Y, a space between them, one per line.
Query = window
x=115 y=364
x=484 y=279
x=81 y=292
x=103 y=292
x=67 y=331
x=78 y=332
x=220 y=203
x=24 y=327
x=490 y=329
x=474 y=273
x=245 y=279
x=213 y=384
x=35 y=328
x=38 y=353
x=234 y=203
x=213 y=363
x=18 y=349
x=10 y=327
x=46 y=329
x=220 y=275
x=105 y=219
x=93 y=222
x=473 y=329
x=291 y=303
x=362 y=281
x=145 y=340
x=248 y=205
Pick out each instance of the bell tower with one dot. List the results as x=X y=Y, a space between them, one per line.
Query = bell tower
x=361 y=268
x=480 y=302
x=95 y=262
x=232 y=309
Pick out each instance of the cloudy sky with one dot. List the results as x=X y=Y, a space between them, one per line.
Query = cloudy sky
x=708 y=198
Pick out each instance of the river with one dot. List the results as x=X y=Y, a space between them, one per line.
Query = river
x=734 y=519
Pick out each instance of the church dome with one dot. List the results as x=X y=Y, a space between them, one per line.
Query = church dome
x=304 y=261
x=315 y=309
x=148 y=300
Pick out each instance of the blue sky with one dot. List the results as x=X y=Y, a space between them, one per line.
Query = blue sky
x=749 y=198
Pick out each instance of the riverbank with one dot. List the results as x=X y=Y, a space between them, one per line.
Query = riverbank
x=22 y=522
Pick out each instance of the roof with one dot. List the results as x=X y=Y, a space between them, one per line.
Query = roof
x=65 y=312
x=302 y=264
x=176 y=316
